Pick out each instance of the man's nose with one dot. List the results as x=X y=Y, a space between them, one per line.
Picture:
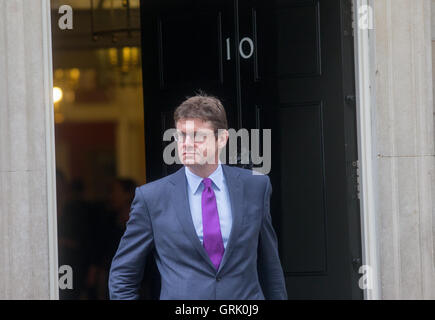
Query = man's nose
x=190 y=140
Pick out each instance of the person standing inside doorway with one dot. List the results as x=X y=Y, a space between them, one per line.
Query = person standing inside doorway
x=208 y=223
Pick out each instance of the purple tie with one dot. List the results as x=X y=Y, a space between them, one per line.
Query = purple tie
x=212 y=237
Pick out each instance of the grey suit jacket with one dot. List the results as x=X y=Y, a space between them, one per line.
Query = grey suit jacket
x=160 y=218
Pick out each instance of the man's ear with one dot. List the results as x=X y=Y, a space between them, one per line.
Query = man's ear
x=222 y=138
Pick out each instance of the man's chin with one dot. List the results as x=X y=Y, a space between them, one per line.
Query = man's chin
x=191 y=162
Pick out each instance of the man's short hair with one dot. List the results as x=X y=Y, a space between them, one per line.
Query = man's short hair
x=204 y=107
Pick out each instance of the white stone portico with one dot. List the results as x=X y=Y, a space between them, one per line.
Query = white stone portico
x=28 y=236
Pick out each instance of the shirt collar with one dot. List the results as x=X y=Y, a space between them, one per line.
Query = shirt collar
x=194 y=181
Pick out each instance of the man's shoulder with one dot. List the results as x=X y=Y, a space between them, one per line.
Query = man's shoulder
x=248 y=175
x=158 y=185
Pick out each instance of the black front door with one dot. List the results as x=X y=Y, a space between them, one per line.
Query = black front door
x=282 y=65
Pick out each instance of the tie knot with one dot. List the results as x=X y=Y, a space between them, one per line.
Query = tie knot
x=207 y=182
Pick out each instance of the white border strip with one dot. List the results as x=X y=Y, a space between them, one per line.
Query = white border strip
x=364 y=47
x=50 y=151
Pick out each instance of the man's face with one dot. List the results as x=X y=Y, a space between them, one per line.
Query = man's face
x=197 y=142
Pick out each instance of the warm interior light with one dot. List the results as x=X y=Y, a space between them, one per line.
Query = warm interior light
x=59 y=118
x=126 y=59
x=113 y=56
x=57 y=94
x=135 y=55
x=74 y=74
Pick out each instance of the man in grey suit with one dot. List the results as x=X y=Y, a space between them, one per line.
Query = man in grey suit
x=209 y=223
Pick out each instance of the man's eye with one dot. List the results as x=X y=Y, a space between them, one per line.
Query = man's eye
x=200 y=136
x=180 y=136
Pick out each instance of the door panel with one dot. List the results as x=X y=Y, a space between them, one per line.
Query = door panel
x=304 y=175
x=198 y=45
x=298 y=43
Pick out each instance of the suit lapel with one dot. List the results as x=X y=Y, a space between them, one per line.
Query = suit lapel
x=181 y=202
x=236 y=193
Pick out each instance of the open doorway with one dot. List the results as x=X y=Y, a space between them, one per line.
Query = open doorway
x=99 y=134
